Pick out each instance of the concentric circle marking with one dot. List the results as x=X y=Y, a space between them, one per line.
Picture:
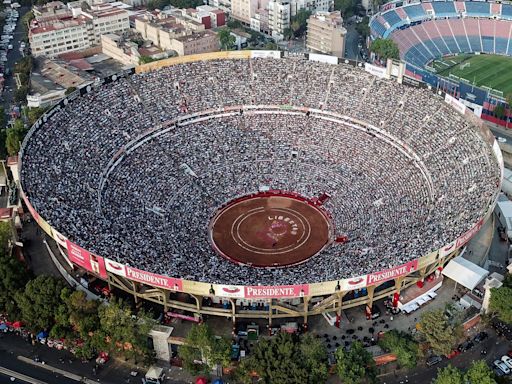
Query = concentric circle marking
x=269 y=230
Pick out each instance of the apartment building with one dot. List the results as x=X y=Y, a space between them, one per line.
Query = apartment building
x=326 y=34
x=51 y=35
x=202 y=42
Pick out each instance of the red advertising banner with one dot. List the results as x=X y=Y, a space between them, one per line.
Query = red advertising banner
x=31 y=209
x=447 y=249
x=263 y=291
x=469 y=234
x=392 y=273
x=79 y=256
x=154 y=279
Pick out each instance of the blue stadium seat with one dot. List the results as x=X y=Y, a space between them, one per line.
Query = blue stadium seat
x=415 y=12
x=439 y=42
x=452 y=45
x=488 y=44
x=463 y=43
x=477 y=8
x=392 y=17
x=444 y=8
x=378 y=27
x=433 y=48
x=506 y=11
x=509 y=50
x=501 y=45
x=474 y=42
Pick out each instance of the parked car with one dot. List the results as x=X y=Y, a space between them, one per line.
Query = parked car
x=507 y=360
x=498 y=372
x=433 y=360
x=502 y=366
x=466 y=346
x=480 y=337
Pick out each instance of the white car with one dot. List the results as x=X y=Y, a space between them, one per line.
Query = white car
x=507 y=360
x=501 y=139
x=502 y=366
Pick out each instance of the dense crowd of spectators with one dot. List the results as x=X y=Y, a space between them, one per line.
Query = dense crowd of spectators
x=155 y=207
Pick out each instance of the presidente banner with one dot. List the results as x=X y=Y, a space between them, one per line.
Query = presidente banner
x=353 y=283
x=154 y=279
x=280 y=291
x=31 y=209
x=115 y=267
x=392 y=273
x=469 y=234
x=86 y=260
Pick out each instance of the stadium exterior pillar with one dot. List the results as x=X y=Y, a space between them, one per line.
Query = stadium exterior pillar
x=306 y=310
x=370 y=290
x=270 y=313
x=398 y=284
x=134 y=289
x=199 y=300
x=340 y=295
x=233 y=311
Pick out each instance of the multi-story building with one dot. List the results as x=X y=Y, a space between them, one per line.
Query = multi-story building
x=326 y=34
x=61 y=32
x=203 y=42
x=278 y=18
x=243 y=10
x=125 y=52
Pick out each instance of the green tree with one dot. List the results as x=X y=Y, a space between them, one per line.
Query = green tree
x=83 y=313
x=146 y=59
x=26 y=19
x=20 y=94
x=127 y=334
x=438 y=332
x=448 y=375
x=271 y=46
x=356 y=365
x=288 y=33
x=479 y=373
x=33 y=114
x=346 y=7
x=234 y=24
x=508 y=98
x=385 y=49
x=363 y=28
x=226 y=39
x=501 y=303
x=202 y=345
x=39 y=302
x=403 y=346
x=299 y=22
x=286 y=359
x=13 y=277
x=499 y=111
x=15 y=135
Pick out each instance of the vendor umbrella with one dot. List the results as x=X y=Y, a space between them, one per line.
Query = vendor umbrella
x=201 y=380
x=218 y=381
x=17 y=324
x=3 y=327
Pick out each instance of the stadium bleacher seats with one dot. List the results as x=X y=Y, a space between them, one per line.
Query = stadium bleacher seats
x=443 y=28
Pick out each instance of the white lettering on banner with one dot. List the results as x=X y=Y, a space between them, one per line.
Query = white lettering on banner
x=469 y=234
x=323 y=58
x=280 y=291
x=392 y=273
x=151 y=278
x=374 y=70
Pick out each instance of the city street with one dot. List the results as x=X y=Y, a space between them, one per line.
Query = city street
x=12 y=57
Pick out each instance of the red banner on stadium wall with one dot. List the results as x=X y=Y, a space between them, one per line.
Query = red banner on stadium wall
x=264 y=291
x=469 y=234
x=31 y=209
x=79 y=256
x=392 y=273
x=154 y=279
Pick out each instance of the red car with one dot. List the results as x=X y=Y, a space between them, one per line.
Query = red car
x=452 y=354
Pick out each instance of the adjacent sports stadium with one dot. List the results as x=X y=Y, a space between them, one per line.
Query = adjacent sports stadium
x=253 y=178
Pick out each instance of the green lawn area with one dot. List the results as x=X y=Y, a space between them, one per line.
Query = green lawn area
x=484 y=70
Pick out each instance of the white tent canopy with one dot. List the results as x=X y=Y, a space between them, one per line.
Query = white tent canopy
x=465 y=272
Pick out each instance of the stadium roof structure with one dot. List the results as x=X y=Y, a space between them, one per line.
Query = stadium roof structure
x=465 y=272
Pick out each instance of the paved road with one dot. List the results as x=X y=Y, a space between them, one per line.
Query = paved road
x=12 y=57
x=351 y=48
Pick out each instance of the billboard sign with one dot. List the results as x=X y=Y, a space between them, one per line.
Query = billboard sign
x=456 y=104
x=83 y=258
x=280 y=291
x=154 y=279
x=60 y=238
x=392 y=273
x=353 y=283
x=229 y=291
x=376 y=71
x=447 y=249
x=115 y=267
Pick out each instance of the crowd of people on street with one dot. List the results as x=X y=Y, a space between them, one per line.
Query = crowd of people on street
x=406 y=173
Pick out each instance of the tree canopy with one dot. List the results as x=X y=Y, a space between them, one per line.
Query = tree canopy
x=347 y=7
x=15 y=135
x=288 y=359
x=403 y=346
x=438 y=332
x=356 y=365
x=449 y=375
x=226 y=39
x=385 y=49
x=501 y=303
x=202 y=345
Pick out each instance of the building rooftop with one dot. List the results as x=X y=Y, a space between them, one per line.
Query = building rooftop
x=195 y=36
